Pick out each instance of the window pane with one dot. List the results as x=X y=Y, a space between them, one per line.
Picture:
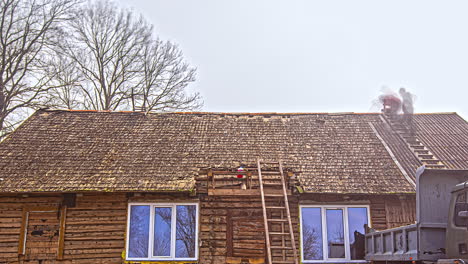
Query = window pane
x=460 y=221
x=186 y=231
x=162 y=231
x=357 y=218
x=312 y=244
x=139 y=231
x=335 y=233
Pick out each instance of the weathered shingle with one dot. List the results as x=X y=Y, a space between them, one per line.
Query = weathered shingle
x=116 y=151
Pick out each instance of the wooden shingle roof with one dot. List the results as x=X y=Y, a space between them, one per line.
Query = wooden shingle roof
x=60 y=151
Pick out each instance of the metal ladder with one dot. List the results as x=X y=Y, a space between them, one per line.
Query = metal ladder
x=277 y=250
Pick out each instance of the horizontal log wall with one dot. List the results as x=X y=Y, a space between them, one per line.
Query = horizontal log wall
x=96 y=226
x=224 y=224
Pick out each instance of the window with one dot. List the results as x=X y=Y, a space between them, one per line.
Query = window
x=460 y=205
x=162 y=231
x=333 y=233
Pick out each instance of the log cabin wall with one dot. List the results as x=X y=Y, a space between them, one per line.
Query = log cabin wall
x=232 y=228
x=94 y=229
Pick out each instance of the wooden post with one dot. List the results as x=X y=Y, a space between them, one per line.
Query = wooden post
x=229 y=234
x=63 y=217
x=22 y=238
x=211 y=174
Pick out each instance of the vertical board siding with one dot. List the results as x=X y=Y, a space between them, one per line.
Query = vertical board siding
x=400 y=212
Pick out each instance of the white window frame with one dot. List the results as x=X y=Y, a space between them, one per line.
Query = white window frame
x=151 y=232
x=323 y=209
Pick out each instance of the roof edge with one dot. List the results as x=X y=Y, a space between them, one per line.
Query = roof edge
x=233 y=113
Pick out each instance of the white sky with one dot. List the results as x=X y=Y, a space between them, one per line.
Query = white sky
x=318 y=56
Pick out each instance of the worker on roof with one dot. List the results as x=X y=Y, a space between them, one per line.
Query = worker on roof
x=407 y=107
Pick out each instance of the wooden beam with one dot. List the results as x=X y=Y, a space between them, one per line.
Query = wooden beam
x=213 y=183
x=40 y=208
x=256 y=261
x=63 y=218
x=22 y=238
x=233 y=192
x=230 y=172
x=229 y=234
x=249 y=178
x=233 y=260
x=240 y=192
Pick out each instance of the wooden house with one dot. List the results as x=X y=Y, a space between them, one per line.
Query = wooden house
x=127 y=187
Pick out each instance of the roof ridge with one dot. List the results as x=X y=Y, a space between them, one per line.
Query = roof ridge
x=211 y=113
x=437 y=113
x=87 y=111
x=234 y=113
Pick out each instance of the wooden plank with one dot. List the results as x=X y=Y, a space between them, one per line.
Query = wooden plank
x=41 y=208
x=229 y=234
x=210 y=173
x=233 y=260
x=251 y=192
x=22 y=238
x=63 y=217
x=233 y=173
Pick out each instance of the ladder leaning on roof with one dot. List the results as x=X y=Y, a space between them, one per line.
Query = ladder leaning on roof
x=281 y=253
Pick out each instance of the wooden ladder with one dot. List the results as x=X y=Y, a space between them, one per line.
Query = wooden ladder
x=277 y=250
x=425 y=156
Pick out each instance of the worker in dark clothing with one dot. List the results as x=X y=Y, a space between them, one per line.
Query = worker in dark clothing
x=407 y=107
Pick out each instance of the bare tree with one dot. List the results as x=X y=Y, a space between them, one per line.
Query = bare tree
x=104 y=45
x=312 y=244
x=185 y=228
x=120 y=64
x=139 y=228
x=29 y=29
x=163 y=80
x=67 y=81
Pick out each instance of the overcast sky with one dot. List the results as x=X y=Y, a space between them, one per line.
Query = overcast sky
x=318 y=56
